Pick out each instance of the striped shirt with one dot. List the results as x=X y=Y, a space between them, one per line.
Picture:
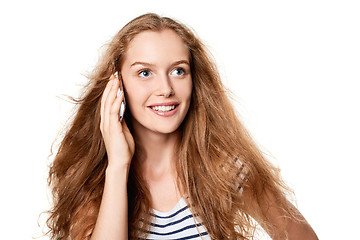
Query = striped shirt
x=178 y=223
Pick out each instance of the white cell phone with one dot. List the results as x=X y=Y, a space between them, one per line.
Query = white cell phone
x=123 y=103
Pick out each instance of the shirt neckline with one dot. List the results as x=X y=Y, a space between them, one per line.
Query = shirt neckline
x=180 y=204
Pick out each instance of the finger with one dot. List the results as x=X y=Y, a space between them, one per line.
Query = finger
x=109 y=102
x=103 y=100
x=115 y=110
x=106 y=91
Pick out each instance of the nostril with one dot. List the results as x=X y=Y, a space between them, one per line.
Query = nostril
x=168 y=92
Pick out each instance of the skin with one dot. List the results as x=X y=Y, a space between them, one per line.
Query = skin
x=162 y=76
x=155 y=70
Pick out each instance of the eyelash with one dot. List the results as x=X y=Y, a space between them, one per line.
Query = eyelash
x=181 y=69
x=144 y=70
x=148 y=70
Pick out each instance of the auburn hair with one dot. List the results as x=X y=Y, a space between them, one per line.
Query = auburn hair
x=217 y=160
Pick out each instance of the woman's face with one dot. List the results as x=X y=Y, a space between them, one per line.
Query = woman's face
x=157 y=81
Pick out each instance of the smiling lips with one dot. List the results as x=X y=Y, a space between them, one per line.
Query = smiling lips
x=164 y=109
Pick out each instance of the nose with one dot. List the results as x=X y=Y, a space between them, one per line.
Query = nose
x=165 y=86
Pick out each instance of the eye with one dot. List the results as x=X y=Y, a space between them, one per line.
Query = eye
x=178 y=71
x=144 y=73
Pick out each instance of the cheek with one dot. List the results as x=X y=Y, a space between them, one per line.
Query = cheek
x=136 y=96
x=185 y=90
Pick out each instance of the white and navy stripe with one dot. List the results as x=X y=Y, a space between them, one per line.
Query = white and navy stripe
x=178 y=223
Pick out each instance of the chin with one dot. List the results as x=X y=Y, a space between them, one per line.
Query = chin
x=165 y=129
x=160 y=128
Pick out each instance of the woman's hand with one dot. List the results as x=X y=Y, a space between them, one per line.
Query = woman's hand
x=112 y=220
x=118 y=140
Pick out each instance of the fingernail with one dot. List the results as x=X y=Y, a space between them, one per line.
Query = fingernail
x=118 y=93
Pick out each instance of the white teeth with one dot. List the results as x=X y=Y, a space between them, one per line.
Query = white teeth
x=163 y=108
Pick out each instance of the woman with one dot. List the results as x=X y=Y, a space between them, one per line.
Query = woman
x=179 y=166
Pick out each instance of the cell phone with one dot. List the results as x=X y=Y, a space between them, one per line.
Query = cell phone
x=123 y=103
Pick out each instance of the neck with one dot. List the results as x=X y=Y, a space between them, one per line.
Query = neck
x=157 y=150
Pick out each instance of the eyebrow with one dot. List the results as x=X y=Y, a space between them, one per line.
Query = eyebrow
x=152 y=65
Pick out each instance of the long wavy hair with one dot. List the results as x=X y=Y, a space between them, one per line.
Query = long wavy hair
x=217 y=159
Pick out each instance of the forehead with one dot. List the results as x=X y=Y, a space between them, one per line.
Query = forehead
x=154 y=46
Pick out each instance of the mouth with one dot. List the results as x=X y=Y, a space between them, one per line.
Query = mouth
x=164 y=109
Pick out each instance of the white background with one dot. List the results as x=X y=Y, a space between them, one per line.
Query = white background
x=293 y=67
